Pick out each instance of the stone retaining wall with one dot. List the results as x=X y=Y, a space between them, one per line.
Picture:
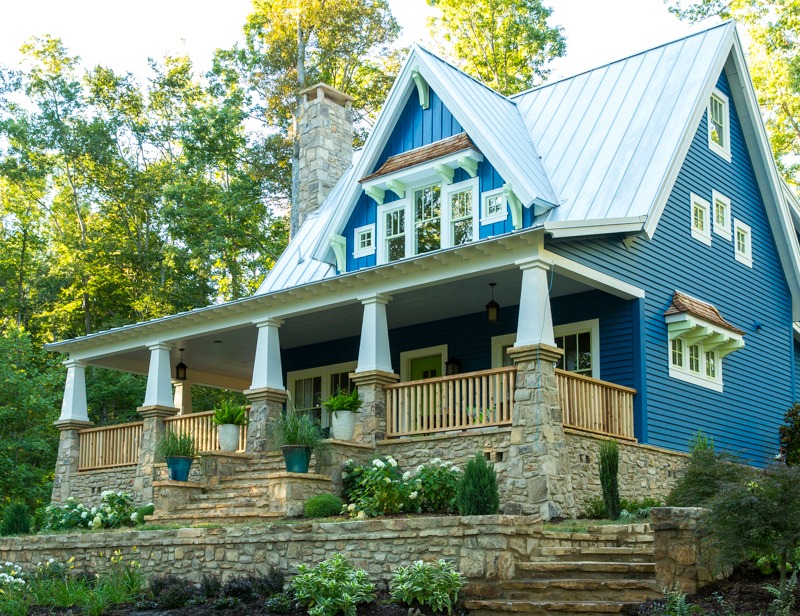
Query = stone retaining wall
x=87 y=487
x=644 y=470
x=682 y=557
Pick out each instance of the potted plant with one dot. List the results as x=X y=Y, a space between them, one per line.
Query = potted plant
x=343 y=407
x=297 y=435
x=178 y=450
x=229 y=416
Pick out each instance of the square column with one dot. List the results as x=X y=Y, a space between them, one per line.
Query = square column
x=159 y=379
x=182 y=400
x=73 y=405
x=267 y=393
x=373 y=350
x=535 y=324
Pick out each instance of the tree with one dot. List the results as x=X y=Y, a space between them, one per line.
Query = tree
x=504 y=43
x=773 y=27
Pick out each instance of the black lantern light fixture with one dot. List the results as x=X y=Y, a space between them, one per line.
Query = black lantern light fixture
x=452 y=366
x=180 y=369
x=493 y=308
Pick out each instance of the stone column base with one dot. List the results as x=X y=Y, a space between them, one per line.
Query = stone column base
x=68 y=457
x=152 y=433
x=266 y=406
x=371 y=422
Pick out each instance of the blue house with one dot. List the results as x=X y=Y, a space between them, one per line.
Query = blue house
x=612 y=254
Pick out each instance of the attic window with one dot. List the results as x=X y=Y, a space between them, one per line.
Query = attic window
x=719 y=124
x=699 y=338
x=701 y=227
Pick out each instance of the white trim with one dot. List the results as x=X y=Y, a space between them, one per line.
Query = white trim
x=446 y=215
x=358 y=251
x=584 y=228
x=723 y=150
x=592 y=277
x=487 y=219
x=745 y=257
x=383 y=210
x=593 y=327
x=704 y=234
x=324 y=372
x=407 y=356
x=498 y=342
x=688 y=377
x=724 y=228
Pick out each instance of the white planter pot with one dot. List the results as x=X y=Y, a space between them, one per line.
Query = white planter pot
x=344 y=422
x=229 y=437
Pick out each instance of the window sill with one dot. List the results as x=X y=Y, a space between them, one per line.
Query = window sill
x=695 y=379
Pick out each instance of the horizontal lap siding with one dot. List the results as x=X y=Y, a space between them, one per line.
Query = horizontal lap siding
x=757 y=379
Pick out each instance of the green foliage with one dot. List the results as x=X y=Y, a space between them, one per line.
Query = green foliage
x=115 y=510
x=173 y=445
x=790 y=435
x=344 y=401
x=16 y=520
x=296 y=428
x=705 y=474
x=281 y=603
x=507 y=44
x=594 y=508
x=761 y=516
x=437 y=486
x=477 y=491
x=433 y=584
x=331 y=587
x=380 y=489
x=675 y=604
x=609 y=477
x=322 y=506
x=229 y=412
x=171 y=592
x=783 y=597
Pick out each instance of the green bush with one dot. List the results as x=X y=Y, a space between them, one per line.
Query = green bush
x=294 y=427
x=433 y=584
x=380 y=490
x=436 y=485
x=331 y=587
x=322 y=506
x=790 y=435
x=16 y=520
x=705 y=474
x=609 y=477
x=477 y=491
x=171 y=592
x=176 y=445
x=594 y=508
x=281 y=603
x=115 y=510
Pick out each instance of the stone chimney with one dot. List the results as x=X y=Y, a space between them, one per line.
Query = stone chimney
x=326 y=147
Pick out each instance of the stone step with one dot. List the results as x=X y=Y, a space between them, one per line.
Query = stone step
x=576 y=589
x=498 y=606
x=627 y=553
x=584 y=570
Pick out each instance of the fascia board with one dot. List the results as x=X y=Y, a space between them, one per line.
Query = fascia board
x=700 y=105
x=559 y=230
x=696 y=321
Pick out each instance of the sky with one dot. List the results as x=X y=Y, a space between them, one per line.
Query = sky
x=122 y=35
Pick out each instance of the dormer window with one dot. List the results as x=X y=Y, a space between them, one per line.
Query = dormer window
x=719 y=124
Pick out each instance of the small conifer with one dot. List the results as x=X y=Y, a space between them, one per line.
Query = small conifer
x=477 y=490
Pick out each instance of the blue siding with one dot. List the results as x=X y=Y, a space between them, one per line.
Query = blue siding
x=757 y=379
x=796 y=358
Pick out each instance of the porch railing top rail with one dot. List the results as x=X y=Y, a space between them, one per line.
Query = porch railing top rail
x=453 y=377
x=111 y=427
x=204 y=432
x=589 y=379
x=596 y=406
x=109 y=446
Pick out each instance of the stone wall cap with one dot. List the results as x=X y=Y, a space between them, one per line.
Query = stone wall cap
x=157 y=410
x=170 y=483
x=72 y=424
x=331 y=94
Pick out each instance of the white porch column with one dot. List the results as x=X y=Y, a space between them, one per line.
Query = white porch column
x=373 y=352
x=535 y=319
x=159 y=379
x=73 y=406
x=182 y=399
x=267 y=369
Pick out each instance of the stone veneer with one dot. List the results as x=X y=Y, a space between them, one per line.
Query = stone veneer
x=682 y=559
x=88 y=486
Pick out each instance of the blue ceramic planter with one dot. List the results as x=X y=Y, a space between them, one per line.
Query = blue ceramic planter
x=178 y=468
x=296 y=458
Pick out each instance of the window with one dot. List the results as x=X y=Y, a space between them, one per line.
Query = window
x=694 y=358
x=718 y=125
x=423 y=363
x=677 y=353
x=461 y=217
x=722 y=215
x=364 y=241
x=394 y=234
x=494 y=207
x=308 y=388
x=500 y=346
x=427 y=219
x=700 y=219
x=743 y=248
x=693 y=363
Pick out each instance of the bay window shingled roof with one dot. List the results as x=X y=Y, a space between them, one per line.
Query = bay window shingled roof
x=682 y=303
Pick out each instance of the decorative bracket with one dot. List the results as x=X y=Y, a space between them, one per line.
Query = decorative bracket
x=339 y=247
x=397 y=188
x=470 y=165
x=422 y=89
x=376 y=193
x=444 y=172
x=515 y=205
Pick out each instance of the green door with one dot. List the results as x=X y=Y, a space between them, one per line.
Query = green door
x=426 y=367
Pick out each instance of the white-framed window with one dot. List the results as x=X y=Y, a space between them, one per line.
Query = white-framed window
x=721 y=214
x=719 y=124
x=493 y=207
x=425 y=363
x=693 y=363
x=742 y=243
x=364 y=241
x=431 y=216
x=309 y=388
x=701 y=223
x=500 y=346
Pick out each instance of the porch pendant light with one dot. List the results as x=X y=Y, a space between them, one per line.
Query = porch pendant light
x=492 y=308
x=180 y=369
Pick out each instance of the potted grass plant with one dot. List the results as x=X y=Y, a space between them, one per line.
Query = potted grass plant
x=179 y=450
x=343 y=407
x=229 y=417
x=297 y=435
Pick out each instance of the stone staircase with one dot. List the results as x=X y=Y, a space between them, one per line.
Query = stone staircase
x=250 y=490
x=608 y=570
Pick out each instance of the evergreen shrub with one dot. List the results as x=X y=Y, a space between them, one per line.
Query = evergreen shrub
x=477 y=491
x=16 y=520
x=322 y=506
x=609 y=477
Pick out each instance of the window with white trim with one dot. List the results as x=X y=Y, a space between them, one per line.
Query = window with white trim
x=308 y=388
x=493 y=207
x=722 y=214
x=700 y=219
x=364 y=241
x=742 y=243
x=581 y=345
x=394 y=233
x=719 y=124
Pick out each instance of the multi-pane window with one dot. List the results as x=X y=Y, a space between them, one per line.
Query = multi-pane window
x=693 y=363
x=340 y=381
x=694 y=358
x=427 y=219
x=700 y=219
x=718 y=125
x=308 y=396
x=711 y=364
x=364 y=241
x=677 y=352
x=577 y=349
x=743 y=249
x=494 y=207
x=395 y=234
x=461 y=216
x=722 y=215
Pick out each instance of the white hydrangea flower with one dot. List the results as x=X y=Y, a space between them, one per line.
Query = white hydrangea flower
x=420 y=467
x=84 y=515
x=94 y=511
x=413 y=495
x=351 y=507
x=447 y=463
x=387 y=481
x=406 y=475
x=392 y=461
x=436 y=461
x=378 y=463
x=134 y=516
x=362 y=515
x=105 y=493
x=455 y=469
x=98 y=521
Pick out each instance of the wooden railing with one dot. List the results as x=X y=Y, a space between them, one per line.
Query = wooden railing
x=109 y=446
x=202 y=429
x=596 y=406
x=460 y=402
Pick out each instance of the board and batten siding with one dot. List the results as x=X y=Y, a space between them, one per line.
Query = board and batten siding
x=758 y=379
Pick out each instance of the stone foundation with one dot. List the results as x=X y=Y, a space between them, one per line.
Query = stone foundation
x=88 y=486
x=683 y=561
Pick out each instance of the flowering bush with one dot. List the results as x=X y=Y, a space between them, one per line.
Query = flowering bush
x=11 y=575
x=437 y=484
x=116 y=509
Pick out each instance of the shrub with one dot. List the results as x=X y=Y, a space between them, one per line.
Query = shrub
x=609 y=477
x=436 y=485
x=210 y=585
x=331 y=587
x=380 y=490
x=240 y=587
x=281 y=603
x=229 y=412
x=477 y=491
x=269 y=584
x=433 y=584
x=115 y=510
x=594 y=508
x=790 y=435
x=322 y=506
x=16 y=520
x=704 y=475
x=296 y=428
x=171 y=592
x=173 y=444
x=143 y=511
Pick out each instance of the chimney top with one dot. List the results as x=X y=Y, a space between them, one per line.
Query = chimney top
x=323 y=90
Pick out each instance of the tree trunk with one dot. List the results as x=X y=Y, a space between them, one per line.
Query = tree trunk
x=301 y=81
